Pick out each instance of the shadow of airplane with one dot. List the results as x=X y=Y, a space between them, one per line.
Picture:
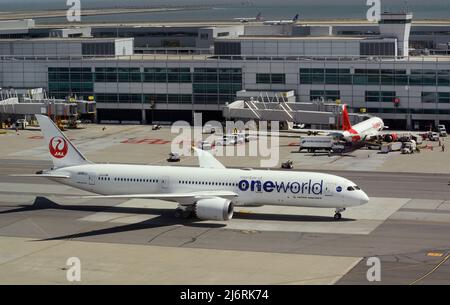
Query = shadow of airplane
x=287 y=217
x=165 y=218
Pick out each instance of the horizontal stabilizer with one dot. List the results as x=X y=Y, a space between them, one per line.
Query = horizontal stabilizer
x=207 y=160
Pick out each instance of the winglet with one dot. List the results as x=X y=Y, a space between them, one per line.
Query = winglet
x=207 y=160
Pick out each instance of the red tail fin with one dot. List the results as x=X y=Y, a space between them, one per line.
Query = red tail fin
x=346 y=125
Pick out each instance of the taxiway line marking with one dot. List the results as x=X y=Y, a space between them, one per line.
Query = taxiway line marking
x=432 y=270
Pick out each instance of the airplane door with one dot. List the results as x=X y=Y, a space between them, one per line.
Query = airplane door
x=329 y=189
x=165 y=183
x=82 y=178
x=92 y=179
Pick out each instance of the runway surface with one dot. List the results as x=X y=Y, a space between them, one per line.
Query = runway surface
x=406 y=225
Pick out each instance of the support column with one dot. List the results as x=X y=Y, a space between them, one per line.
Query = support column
x=409 y=122
x=143 y=117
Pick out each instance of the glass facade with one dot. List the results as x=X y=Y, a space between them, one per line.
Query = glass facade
x=209 y=85
x=380 y=96
x=388 y=110
x=412 y=111
x=113 y=75
x=270 y=78
x=143 y=98
x=325 y=76
x=216 y=85
x=64 y=82
x=392 y=77
x=168 y=98
x=327 y=95
x=167 y=75
x=150 y=75
x=436 y=97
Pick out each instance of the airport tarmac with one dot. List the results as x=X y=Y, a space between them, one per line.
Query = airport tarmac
x=406 y=223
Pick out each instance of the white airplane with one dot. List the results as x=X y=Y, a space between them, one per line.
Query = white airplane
x=278 y=22
x=248 y=19
x=364 y=131
x=208 y=192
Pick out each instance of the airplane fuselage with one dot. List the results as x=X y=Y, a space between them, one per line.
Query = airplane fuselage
x=253 y=187
x=364 y=130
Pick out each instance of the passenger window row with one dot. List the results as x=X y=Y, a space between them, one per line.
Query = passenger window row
x=129 y=179
x=157 y=181
x=207 y=183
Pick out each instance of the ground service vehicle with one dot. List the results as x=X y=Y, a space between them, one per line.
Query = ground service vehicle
x=314 y=143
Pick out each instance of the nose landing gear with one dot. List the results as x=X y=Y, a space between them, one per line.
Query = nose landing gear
x=338 y=215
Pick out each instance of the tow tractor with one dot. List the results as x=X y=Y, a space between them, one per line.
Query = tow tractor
x=287 y=165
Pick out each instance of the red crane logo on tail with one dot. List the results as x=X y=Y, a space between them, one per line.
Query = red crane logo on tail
x=58 y=147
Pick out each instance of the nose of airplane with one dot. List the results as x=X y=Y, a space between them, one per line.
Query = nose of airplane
x=364 y=198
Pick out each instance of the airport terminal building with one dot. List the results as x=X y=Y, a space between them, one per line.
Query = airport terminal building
x=371 y=71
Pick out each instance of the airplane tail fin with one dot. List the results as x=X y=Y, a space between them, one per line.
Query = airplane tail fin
x=295 y=19
x=346 y=125
x=259 y=16
x=62 y=152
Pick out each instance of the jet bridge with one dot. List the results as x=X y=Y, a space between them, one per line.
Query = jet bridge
x=282 y=107
x=15 y=103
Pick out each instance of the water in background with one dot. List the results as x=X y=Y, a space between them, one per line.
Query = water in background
x=285 y=9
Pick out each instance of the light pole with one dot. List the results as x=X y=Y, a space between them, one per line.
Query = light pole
x=408 y=112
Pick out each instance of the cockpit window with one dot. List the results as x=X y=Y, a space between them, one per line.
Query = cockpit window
x=357 y=188
x=350 y=188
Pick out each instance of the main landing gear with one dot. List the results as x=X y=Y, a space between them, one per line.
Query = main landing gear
x=338 y=215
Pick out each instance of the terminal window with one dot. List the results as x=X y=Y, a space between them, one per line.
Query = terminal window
x=270 y=78
x=436 y=97
x=377 y=49
x=380 y=96
x=98 y=48
x=69 y=81
x=325 y=76
x=327 y=95
x=216 y=85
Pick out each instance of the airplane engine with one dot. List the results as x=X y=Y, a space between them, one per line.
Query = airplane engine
x=214 y=209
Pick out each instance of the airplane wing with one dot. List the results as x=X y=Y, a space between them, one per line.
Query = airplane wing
x=321 y=132
x=207 y=160
x=42 y=176
x=182 y=198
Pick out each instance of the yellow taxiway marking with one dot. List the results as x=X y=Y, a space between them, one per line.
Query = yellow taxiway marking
x=435 y=254
x=244 y=211
x=431 y=271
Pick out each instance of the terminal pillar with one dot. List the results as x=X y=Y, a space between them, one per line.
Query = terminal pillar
x=409 y=122
x=143 y=117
